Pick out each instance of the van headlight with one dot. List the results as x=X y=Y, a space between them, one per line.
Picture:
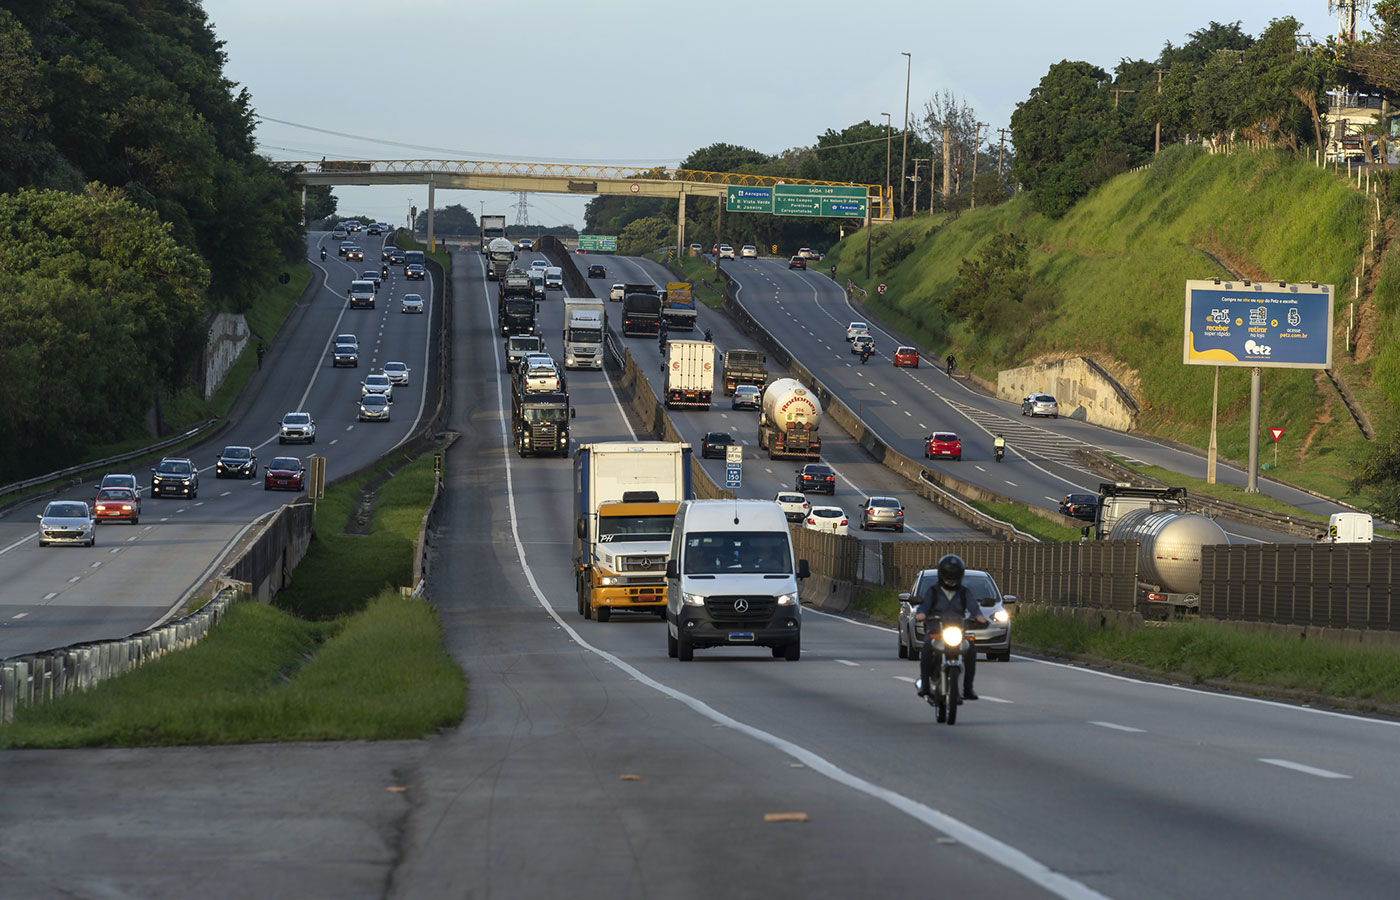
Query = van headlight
x=787 y=599
x=693 y=599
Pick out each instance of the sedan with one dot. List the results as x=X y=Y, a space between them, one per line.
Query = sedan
x=856 y=328
x=797 y=262
x=345 y=248
x=348 y=338
x=339 y=235
x=396 y=372
x=616 y=292
x=346 y=355
x=943 y=444
x=411 y=303
x=414 y=272
x=795 y=506
x=117 y=505
x=378 y=384
x=597 y=271
x=371 y=275
x=525 y=244
x=373 y=408
x=993 y=639
x=725 y=252
x=816 y=477
x=124 y=481
x=540 y=264
x=907 y=356
x=748 y=251
x=67 y=522
x=862 y=342
x=827 y=519
x=1040 y=405
x=882 y=512
x=715 y=443
x=356 y=254
x=1080 y=506
x=746 y=396
x=236 y=462
x=284 y=473
x=394 y=255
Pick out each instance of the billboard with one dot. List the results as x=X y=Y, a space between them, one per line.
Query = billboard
x=1267 y=324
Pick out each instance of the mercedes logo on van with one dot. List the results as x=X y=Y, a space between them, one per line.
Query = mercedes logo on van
x=741 y=605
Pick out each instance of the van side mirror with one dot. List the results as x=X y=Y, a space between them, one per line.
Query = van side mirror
x=803 y=569
x=672 y=570
x=1008 y=599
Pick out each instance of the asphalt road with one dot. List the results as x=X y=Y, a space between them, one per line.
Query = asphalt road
x=138 y=574
x=592 y=763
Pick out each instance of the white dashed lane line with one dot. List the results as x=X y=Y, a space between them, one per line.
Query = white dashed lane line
x=1306 y=770
x=1114 y=727
x=847 y=662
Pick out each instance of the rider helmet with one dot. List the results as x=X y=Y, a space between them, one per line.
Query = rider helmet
x=950 y=571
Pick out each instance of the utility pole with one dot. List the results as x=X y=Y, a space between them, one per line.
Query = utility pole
x=915 y=179
x=1116 y=92
x=976 y=143
x=887 y=162
x=1157 y=147
x=904 y=154
x=1001 y=148
x=947 y=163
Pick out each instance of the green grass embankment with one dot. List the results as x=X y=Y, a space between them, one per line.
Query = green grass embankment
x=1119 y=261
x=341 y=656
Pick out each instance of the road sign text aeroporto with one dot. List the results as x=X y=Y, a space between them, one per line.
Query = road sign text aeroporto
x=798 y=200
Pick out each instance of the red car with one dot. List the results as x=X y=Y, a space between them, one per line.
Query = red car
x=797 y=262
x=117 y=504
x=942 y=444
x=285 y=473
x=907 y=356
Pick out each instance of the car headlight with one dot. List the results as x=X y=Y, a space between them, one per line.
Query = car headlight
x=693 y=599
x=787 y=599
x=1001 y=615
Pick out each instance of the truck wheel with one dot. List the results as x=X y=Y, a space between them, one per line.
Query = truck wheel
x=582 y=598
x=672 y=647
x=684 y=651
x=603 y=614
x=588 y=608
x=793 y=652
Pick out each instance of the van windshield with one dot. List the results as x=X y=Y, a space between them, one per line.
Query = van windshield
x=737 y=552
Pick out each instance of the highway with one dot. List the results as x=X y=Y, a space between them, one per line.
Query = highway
x=590 y=760
x=138 y=574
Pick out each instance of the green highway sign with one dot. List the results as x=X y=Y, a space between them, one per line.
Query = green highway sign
x=748 y=199
x=601 y=243
x=789 y=205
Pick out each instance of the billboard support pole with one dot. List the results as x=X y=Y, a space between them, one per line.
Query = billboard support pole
x=1211 y=454
x=1252 y=485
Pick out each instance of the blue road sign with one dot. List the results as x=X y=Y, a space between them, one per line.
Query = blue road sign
x=1266 y=325
x=732 y=476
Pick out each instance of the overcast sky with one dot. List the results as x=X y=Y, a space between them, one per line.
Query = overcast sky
x=639 y=81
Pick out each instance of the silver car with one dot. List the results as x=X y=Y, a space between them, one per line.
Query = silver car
x=67 y=522
x=396 y=372
x=373 y=408
x=1040 y=405
x=882 y=512
x=411 y=303
x=746 y=396
x=993 y=639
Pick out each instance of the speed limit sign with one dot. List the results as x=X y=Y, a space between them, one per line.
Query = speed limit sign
x=882 y=288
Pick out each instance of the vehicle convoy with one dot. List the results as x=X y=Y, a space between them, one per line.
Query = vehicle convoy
x=788 y=422
x=540 y=423
x=625 y=501
x=517 y=346
x=678 y=306
x=585 y=321
x=731 y=580
x=1169 y=541
x=492 y=227
x=500 y=254
x=641 y=309
x=690 y=374
x=744 y=367
x=515 y=305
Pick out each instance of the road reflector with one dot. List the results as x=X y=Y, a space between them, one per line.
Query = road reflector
x=786 y=817
x=395 y=789
x=630 y=778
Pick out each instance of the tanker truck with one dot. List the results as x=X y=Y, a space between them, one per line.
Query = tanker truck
x=1169 y=541
x=787 y=426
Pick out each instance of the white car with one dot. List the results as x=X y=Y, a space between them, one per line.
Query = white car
x=861 y=341
x=856 y=328
x=616 y=292
x=748 y=251
x=67 y=522
x=297 y=426
x=726 y=251
x=794 y=504
x=348 y=339
x=378 y=384
x=808 y=253
x=539 y=376
x=827 y=519
x=396 y=372
x=540 y=264
x=411 y=303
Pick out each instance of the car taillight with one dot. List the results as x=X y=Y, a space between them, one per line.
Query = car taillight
x=811 y=521
x=843 y=521
x=899 y=512
x=831 y=478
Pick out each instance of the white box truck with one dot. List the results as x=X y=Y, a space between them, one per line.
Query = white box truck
x=585 y=321
x=690 y=373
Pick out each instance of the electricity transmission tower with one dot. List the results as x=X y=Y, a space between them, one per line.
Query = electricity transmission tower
x=522 y=209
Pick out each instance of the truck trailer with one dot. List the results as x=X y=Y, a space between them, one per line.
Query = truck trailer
x=641 y=310
x=787 y=425
x=744 y=367
x=1169 y=539
x=690 y=374
x=492 y=227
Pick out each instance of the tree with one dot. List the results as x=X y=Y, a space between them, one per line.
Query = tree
x=320 y=203
x=1204 y=43
x=645 y=235
x=453 y=219
x=996 y=294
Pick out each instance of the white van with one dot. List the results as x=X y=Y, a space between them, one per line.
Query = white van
x=1350 y=528
x=554 y=278
x=731 y=581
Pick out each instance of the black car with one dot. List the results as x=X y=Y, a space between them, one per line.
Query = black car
x=413 y=272
x=816 y=477
x=175 y=476
x=597 y=271
x=395 y=255
x=1080 y=506
x=236 y=462
x=346 y=355
x=714 y=444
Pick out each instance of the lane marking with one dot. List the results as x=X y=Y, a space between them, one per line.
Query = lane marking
x=95 y=565
x=75 y=579
x=225 y=493
x=1306 y=770
x=51 y=596
x=905 y=678
x=847 y=662
x=1115 y=727
x=995 y=699
x=19 y=615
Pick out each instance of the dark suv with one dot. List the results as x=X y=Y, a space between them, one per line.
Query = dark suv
x=715 y=443
x=816 y=477
x=597 y=271
x=1080 y=506
x=175 y=476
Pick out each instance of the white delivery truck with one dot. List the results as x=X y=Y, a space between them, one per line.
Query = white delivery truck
x=585 y=321
x=690 y=373
x=1350 y=528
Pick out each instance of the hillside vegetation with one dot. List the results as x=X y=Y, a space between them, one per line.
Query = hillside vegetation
x=1108 y=282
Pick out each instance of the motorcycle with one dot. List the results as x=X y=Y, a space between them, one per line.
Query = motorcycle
x=998 y=452
x=864 y=356
x=709 y=336
x=323 y=254
x=945 y=697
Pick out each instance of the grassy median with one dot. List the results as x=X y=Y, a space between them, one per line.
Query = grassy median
x=343 y=655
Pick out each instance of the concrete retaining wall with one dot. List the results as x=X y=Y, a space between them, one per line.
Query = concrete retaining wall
x=225 y=341
x=1085 y=391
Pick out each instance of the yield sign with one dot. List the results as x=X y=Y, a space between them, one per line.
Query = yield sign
x=1276 y=433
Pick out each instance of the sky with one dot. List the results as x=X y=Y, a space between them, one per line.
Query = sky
x=628 y=82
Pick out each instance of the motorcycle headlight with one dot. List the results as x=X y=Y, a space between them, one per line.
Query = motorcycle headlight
x=693 y=599
x=952 y=635
x=787 y=599
x=1002 y=616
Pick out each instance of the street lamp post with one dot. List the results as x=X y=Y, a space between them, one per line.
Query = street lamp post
x=904 y=153
x=888 y=131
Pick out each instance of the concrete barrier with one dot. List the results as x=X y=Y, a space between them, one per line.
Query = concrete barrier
x=1084 y=389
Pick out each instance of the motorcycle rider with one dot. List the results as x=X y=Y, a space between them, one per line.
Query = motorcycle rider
x=864 y=354
x=947 y=601
x=323 y=254
x=709 y=336
x=661 y=331
x=998 y=446
x=952 y=364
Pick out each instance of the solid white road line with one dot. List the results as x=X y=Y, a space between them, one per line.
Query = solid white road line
x=1113 y=727
x=1306 y=770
